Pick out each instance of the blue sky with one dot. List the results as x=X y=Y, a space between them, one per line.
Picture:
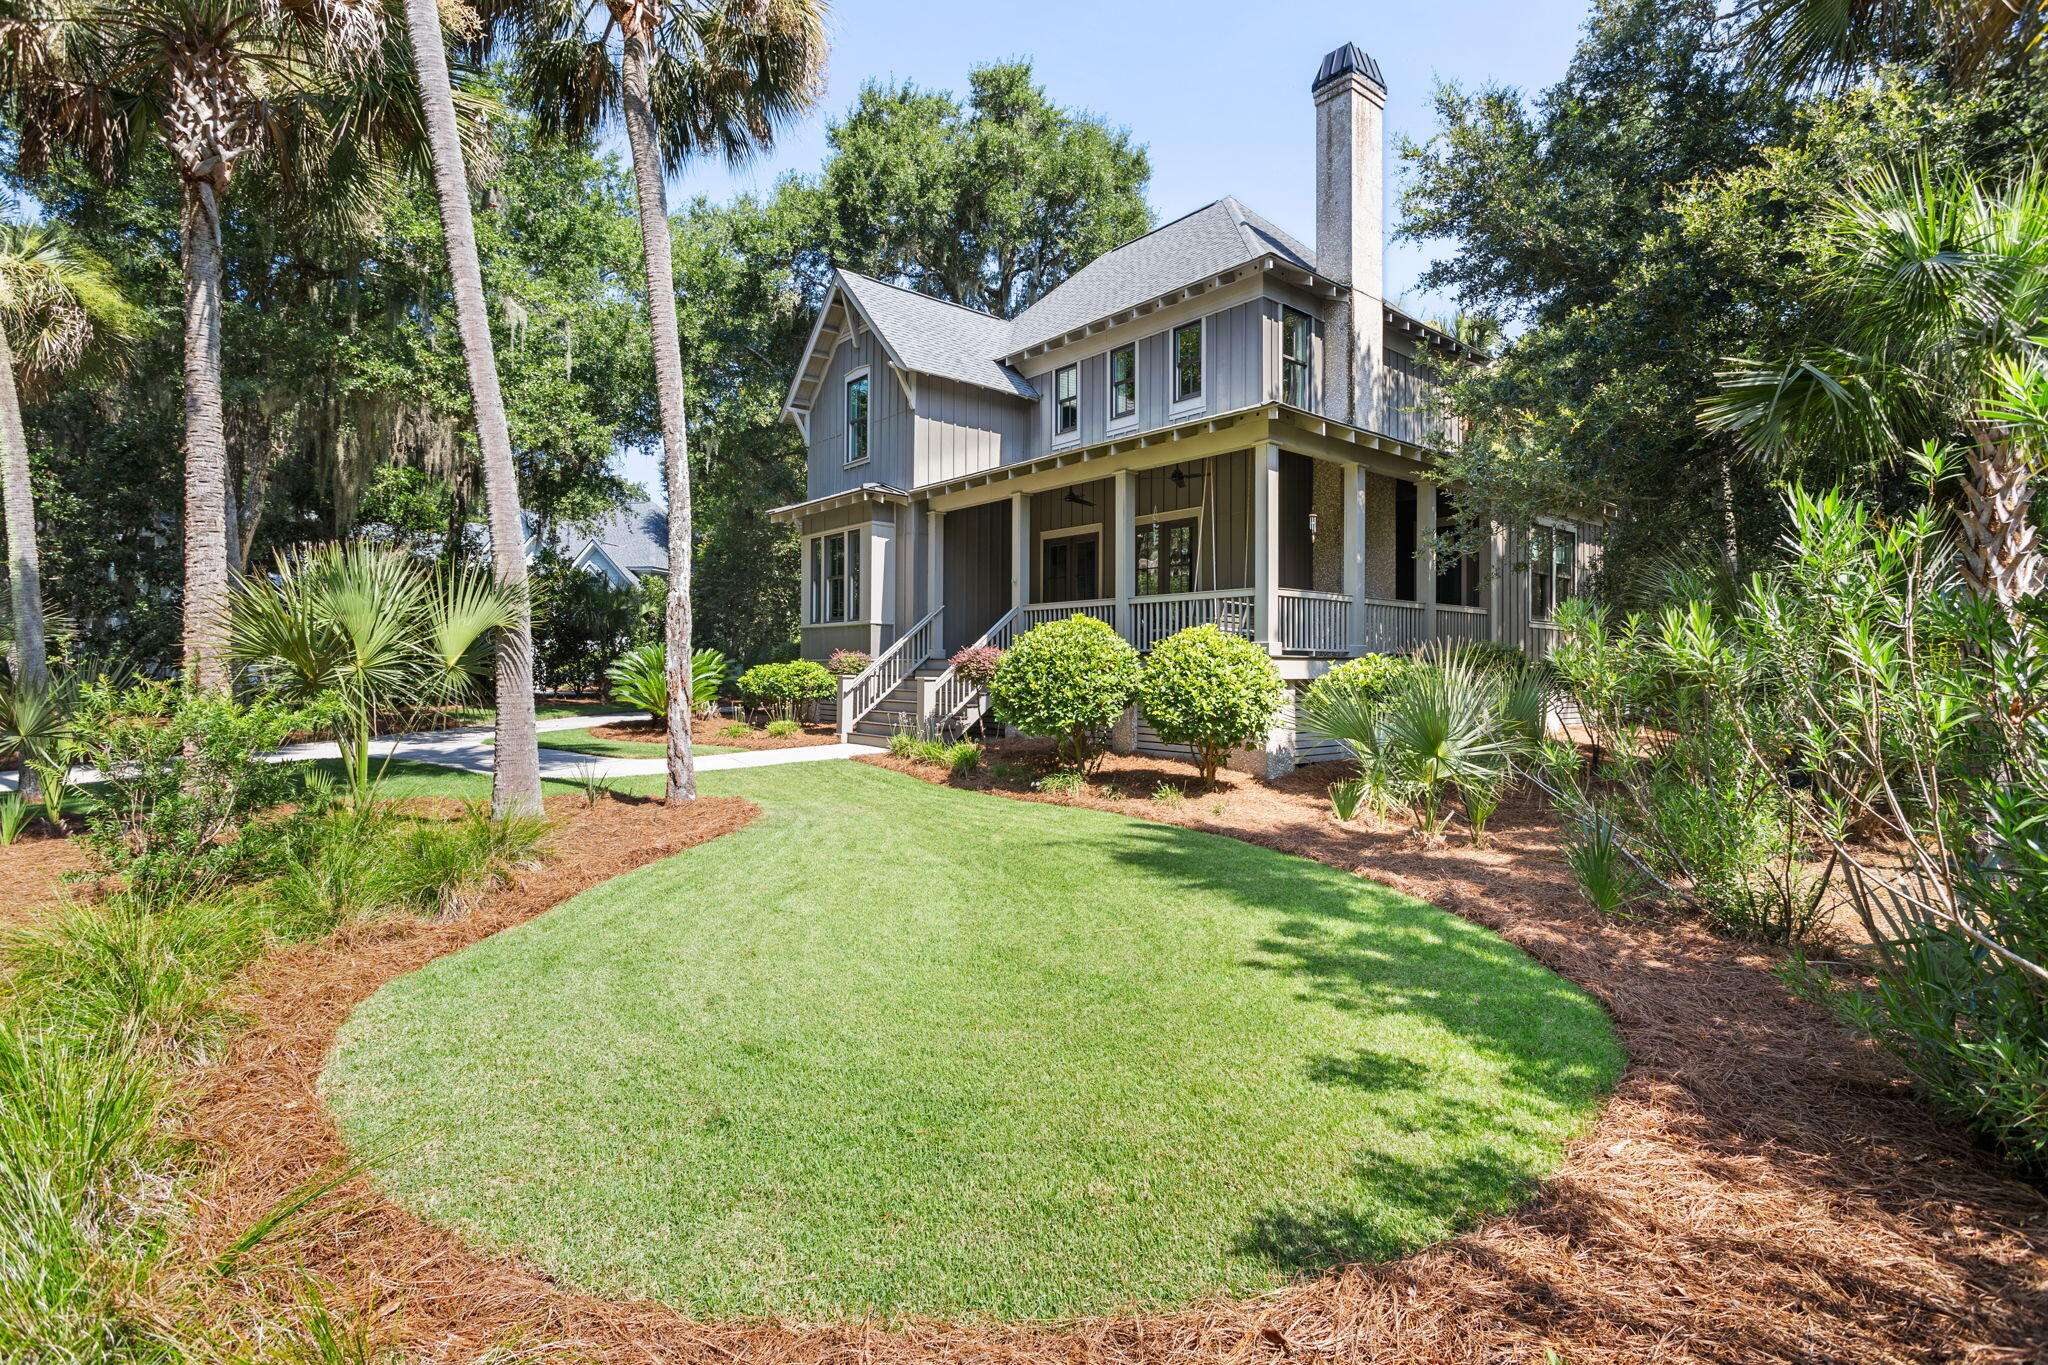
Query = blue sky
x=1216 y=89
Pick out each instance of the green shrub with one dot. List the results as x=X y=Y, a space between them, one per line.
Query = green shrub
x=1169 y=795
x=962 y=757
x=1345 y=797
x=1068 y=681
x=1210 y=690
x=785 y=686
x=640 y=678
x=582 y=624
x=782 y=728
x=903 y=744
x=1367 y=679
x=182 y=773
x=738 y=729
x=1607 y=879
x=1484 y=656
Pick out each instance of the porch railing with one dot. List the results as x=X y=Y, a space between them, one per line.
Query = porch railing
x=1461 y=623
x=861 y=693
x=1392 y=627
x=1038 y=613
x=1155 y=618
x=1314 y=622
x=947 y=696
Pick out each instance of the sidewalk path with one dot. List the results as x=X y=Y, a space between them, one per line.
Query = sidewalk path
x=469 y=750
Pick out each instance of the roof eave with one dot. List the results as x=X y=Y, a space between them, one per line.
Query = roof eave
x=1269 y=263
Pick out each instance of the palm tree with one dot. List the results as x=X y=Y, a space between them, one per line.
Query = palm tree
x=371 y=629
x=1936 y=293
x=54 y=295
x=515 y=766
x=219 y=83
x=686 y=76
x=1810 y=42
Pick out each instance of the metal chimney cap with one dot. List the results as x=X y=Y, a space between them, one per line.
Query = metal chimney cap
x=1346 y=61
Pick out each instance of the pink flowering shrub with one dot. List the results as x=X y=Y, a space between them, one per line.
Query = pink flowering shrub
x=846 y=663
x=977 y=664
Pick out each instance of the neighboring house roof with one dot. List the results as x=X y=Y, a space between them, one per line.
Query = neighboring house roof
x=930 y=336
x=632 y=540
x=1214 y=238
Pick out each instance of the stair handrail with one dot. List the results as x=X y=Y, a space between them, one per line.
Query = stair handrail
x=864 y=691
x=935 y=709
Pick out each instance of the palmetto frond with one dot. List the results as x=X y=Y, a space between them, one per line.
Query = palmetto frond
x=1812 y=42
x=724 y=73
x=54 y=295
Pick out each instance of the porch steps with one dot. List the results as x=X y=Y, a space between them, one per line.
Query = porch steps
x=896 y=711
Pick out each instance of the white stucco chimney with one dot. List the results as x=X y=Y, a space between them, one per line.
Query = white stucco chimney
x=1351 y=105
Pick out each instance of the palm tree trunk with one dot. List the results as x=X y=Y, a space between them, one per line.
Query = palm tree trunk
x=668 y=382
x=515 y=771
x=24 y=563
x=2001 y=559
x=1731 y=556
x=206 y=447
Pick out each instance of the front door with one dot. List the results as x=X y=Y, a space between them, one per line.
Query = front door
x=1068 y=573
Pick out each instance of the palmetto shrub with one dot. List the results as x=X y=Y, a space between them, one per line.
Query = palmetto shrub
x=639 y=678
x=1210 y=690
x=783 y=687
x=1068 y=681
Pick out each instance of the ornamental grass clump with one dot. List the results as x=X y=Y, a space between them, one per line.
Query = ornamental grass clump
x=1069 y=681
x=1210 y=690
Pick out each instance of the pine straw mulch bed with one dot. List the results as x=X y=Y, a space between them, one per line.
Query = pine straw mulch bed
x=710 y=730
x=1760 y=1187
x=35 y=871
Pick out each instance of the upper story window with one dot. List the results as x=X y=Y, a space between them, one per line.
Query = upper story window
x=1553 y=566
x=1066 y=400
x=1297 y=348
x=857 y=418
x=835 y=576
x=1187 y=362
x=1123 y=382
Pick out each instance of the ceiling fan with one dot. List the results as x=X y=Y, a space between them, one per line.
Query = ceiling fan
x=1180 y=478
x=1077 y=499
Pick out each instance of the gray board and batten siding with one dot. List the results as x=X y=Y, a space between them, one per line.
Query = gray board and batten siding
x=891 y=431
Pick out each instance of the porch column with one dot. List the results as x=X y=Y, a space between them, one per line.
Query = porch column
x=1124 y=509
x=1425 y=555
x=1354 y=553
x=1266 y=545
x=1020 y=550
x=935 y=567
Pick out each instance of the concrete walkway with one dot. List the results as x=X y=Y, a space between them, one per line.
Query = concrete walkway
x=469 y=750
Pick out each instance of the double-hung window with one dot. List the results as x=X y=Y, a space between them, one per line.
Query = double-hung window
x=1553 y=561
x=857 y=418
x=1297 y=333
x=1187 y=363
x=1166 y=556
x=835 y=576
x=1123 y=382
x=1066 y=400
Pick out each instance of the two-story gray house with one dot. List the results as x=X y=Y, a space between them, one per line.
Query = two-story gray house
x=1213 y=422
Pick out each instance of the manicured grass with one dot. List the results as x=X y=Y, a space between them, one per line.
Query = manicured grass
x=584 y=742
x=900 y=1049
x=554 y=710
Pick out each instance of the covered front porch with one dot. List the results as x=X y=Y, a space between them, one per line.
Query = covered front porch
x=1314 y=557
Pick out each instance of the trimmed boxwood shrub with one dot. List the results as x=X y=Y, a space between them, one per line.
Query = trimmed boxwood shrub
x=785 y=686
x=1371 y=678
x=1210 y=690
x=1066 y=680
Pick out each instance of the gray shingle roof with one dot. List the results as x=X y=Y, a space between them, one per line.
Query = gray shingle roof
x=1212 y=239
x=930 y=336
x=636 y=538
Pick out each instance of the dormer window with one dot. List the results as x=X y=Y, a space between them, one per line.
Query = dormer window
x=1123 y=382
x=1297 y=333
x=1066 y=400
x=857 y=418
x=1187 y=364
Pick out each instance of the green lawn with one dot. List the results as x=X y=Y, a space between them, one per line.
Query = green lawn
x=584 y=742
x=900 y=1049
